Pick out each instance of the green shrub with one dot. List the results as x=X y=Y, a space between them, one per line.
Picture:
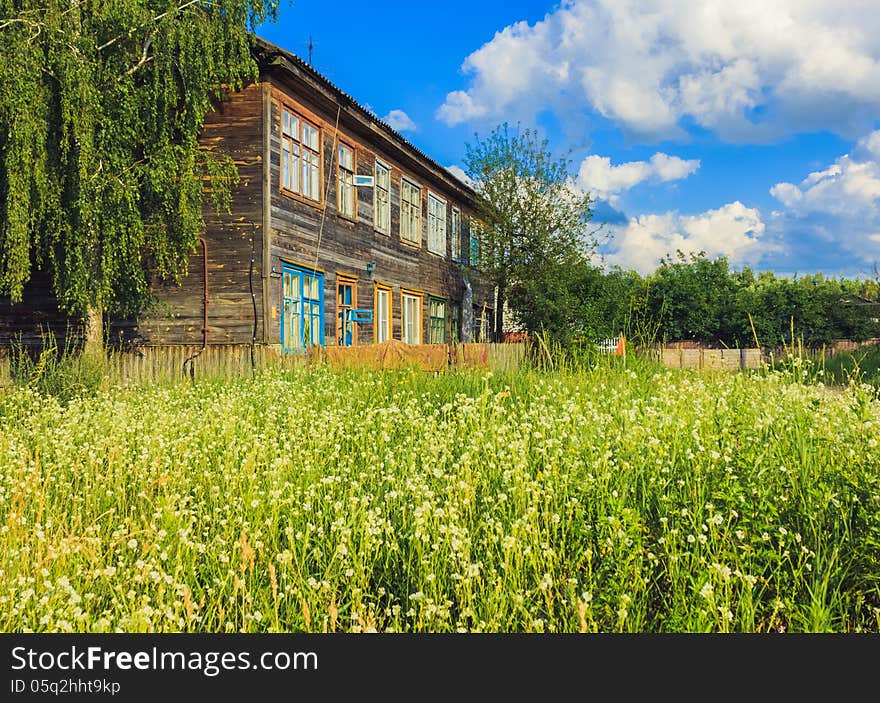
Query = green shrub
x=64 y=373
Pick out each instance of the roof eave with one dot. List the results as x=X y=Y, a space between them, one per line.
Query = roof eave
x=273 y=60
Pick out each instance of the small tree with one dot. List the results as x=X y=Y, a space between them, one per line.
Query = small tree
x=101 y=105
x=533 y=216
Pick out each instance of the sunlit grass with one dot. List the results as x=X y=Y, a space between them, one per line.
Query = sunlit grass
x=308 y=500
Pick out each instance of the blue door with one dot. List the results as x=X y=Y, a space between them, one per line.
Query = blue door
x=302 y=313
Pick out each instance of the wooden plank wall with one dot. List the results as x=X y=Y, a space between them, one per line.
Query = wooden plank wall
x=234 y=128
x=300 y=230
x=36 y=316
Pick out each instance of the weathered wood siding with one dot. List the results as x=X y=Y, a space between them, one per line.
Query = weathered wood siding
x=36 y=316
x=297 y=231
x=234 y=128
x=311 y=234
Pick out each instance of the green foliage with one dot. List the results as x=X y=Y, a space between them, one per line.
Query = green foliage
x=533 y=223
x=573 y=301
x=691 y=296
x=101 y=105
x=695 y=298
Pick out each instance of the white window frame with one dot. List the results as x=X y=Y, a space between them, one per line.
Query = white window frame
x=410 y=213
x=346 y=194
x=300 y=161
x=381 y=210
x=411 y=320
x=436 y=224
x=383 y=326
x=456 y=234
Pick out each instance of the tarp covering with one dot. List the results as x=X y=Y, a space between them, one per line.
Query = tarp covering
x=395 y=354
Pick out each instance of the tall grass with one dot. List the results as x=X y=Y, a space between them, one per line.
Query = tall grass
x=861 y=365
x=593 y=498
x=64 y=372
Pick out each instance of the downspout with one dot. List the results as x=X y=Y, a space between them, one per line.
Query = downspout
x=266 y=231
x=253 y=299
x=189 y=360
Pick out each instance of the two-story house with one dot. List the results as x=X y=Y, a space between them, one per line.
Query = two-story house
x=342 y=232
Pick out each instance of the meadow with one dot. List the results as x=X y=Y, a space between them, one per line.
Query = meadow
x=619 y=498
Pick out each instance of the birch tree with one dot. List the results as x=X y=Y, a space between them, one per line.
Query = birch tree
x=101 y=104
x=533 y=217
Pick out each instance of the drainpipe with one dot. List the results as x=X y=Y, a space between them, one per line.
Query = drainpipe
x=190 y=359
x=253 y=299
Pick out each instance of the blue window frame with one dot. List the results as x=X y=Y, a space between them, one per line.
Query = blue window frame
x=302 y=300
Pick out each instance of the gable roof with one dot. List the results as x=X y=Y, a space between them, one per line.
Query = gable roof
x=274 y=59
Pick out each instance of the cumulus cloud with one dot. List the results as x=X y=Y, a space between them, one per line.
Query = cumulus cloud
x=839 y=204
x=606 y=182
x=399 y=120
x=734 y=231
x=748 y=70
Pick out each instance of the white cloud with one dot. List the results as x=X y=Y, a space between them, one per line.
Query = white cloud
x=849 y=187
x=606 y=182
x=399 y=120
x=733 y=230
x=838 y=206
x=748 y=70
x=460 y=107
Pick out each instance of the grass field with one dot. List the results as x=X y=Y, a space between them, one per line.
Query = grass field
x=614 y=499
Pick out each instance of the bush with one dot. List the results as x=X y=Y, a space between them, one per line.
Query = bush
x=63 y=373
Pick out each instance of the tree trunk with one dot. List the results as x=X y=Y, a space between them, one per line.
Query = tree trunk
x=94 y=332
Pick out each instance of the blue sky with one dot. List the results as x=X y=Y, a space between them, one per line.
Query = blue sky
x=748 y=129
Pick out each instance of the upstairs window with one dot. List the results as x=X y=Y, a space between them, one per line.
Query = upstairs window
x=436 y=225
x=300 y=156
x=382 y=199
x=410 y=212
x=456 y=234
x=347 y=199
x=474 y=254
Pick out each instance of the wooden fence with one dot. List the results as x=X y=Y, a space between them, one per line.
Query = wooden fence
x=150 y=364
x=710 y=359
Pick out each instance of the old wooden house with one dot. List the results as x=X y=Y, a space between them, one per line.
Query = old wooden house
x=342 y=232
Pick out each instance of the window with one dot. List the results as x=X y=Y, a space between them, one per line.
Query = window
x=456 y=234
x=411 y=309
x=474 y=254
x=455 y=321
x=436 y=225
x=347 y=202
x=437 y=320
x=302 y=317
x=410 y=212
x=382 y=198
x=300 y=156
x=346 y=300
x=383 y=314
